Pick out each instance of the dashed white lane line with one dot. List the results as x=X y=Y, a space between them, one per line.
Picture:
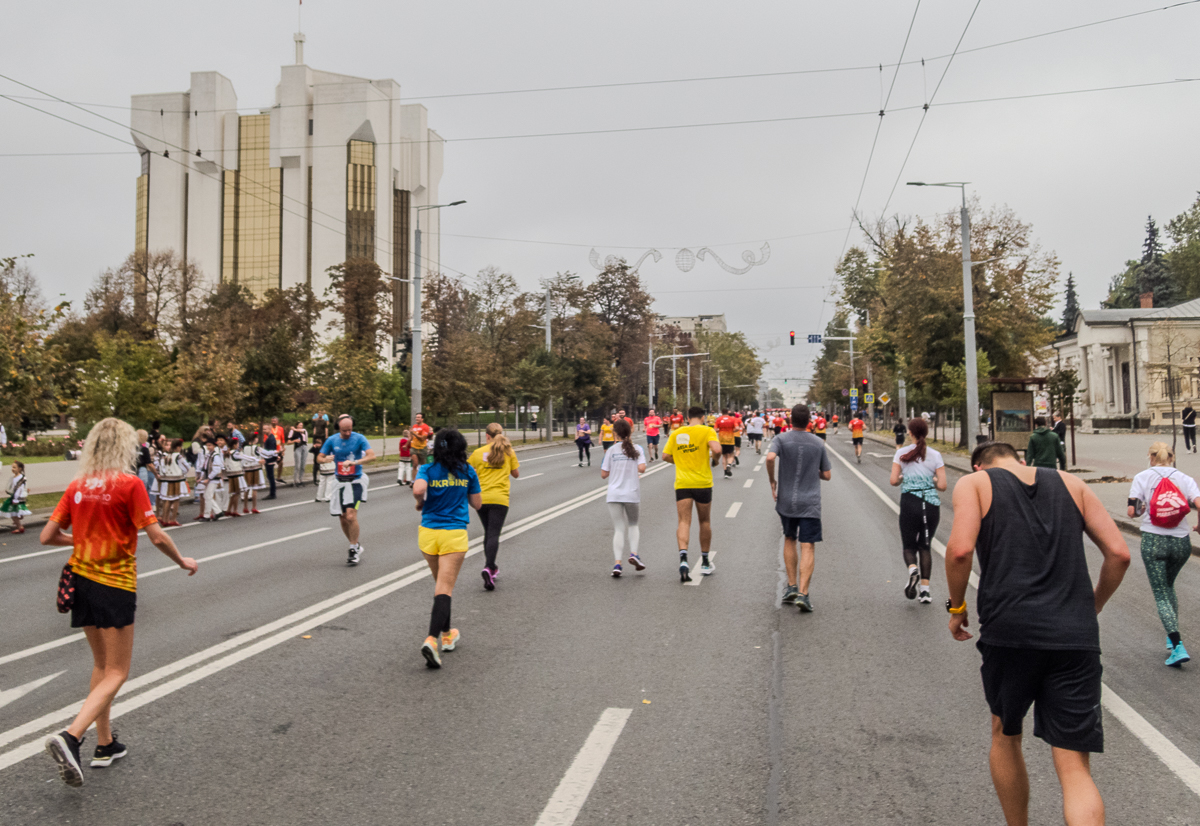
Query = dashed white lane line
x=11 y=694
x=749 y=482
x=733 y=510
x=534 y=476
x=1183 y=766
x=573 y=789
x=698 y=578
x=551 y=456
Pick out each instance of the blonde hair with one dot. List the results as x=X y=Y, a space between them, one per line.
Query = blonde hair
x=1161 y=453
x=110 y=449
x=501 y=448
x=143 y=436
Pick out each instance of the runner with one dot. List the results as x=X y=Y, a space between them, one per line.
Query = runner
x=754 y=430
x=350 y=450
x=1165 y=548
x=443 y=490
x=621 y=468
x=833 y=420
x=899 y=429
x=583 y=441
x=1040 y=637
x=677 y=421
x=688 y=449
x=104 y=507
x=726 y=426
x=856 y=436
x=419 y=441
x=777 y=424
x=652 y=423
x=739 y=428
x=621 y=415
x=606 y=433
x=819 y=426
x=921 y=473
x=496 y=466
x=803 y=465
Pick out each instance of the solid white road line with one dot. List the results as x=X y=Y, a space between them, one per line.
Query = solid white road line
x=366 y=593
x=157 y=571
x=1183 y=766
x=35 y=553
x=749 y=482
x=576 y=785
x=38 y=649
x=534 y=476
x=733 y=510
x=698 y=579
x=11 y=694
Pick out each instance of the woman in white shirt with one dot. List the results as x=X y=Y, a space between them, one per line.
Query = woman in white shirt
x=1165 y=550
x=920 y=473
x=621 y=467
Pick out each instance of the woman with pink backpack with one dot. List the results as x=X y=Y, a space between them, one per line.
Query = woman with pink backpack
x=1162 y=495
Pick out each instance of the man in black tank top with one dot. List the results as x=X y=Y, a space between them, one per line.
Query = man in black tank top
x=1039 y=633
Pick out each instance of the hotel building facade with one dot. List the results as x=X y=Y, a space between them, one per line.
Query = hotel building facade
x=333 y=170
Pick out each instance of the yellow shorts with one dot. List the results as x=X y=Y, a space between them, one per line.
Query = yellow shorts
x=439 y=541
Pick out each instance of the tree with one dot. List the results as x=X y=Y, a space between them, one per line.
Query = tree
x=1062 y=385
x=29 y=364
x=1183 y=259
x=954 y=385
x=361 y=298
x=1154 y=276
x=127 y=380
x=1071 y=306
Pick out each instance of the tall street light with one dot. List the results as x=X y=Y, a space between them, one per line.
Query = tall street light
x=416 y=319
x=972 y=421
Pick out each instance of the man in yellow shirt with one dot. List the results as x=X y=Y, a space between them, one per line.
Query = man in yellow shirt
x=690 y=449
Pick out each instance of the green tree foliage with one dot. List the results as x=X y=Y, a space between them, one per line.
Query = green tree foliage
x=1070 y=307
x=30 y=366
x=1183 y=258
x=127 y=379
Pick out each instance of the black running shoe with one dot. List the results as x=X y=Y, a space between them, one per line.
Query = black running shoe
x=105 y=755
x=910 y=590
x=684 y=571
x=65 y=750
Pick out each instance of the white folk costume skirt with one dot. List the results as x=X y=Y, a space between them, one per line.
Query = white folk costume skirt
x=172 y=490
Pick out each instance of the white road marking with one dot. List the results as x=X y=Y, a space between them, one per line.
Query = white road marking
x=1183 y=766
x=733 y=510
x=749 y=482
x=11 y=694
x=293 y=624
x=36 y=553
x=698 y=578
x=157 y=571
x=576 y=785
x=551 y=456
x=534 y=476
x=38 y=649
x=881 y=455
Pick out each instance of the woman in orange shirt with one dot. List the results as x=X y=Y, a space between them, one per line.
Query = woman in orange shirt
x=104 y=507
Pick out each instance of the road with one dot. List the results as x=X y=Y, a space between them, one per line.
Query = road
x=279 y=686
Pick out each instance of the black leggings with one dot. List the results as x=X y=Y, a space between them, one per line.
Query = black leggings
x=585 y=450
x=918 y=524
x=492 y=517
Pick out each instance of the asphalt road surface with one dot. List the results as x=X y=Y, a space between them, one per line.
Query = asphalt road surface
x=279 y=686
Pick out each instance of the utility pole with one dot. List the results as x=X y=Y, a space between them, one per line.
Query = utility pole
x=689 y=381
x=550 y=402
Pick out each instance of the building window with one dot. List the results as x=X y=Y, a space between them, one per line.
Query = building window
x=360 y=200
x=253 y=214
x=1171 y=388
x=401 y=218
x=141 y=241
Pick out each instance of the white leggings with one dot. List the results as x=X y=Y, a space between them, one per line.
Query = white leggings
x=625 y=518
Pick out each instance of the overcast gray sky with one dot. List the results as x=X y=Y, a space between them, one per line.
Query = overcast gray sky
x=1084 y=169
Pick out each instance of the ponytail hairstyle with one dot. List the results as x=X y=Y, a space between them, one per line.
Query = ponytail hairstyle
x=500 y=448
x=919 y=429
x=450 y=451
x=1160 y=454
x=623 y=432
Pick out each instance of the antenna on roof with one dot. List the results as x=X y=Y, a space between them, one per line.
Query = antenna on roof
x=299 y=35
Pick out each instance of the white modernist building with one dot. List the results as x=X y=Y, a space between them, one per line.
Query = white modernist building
x=334 y=170
x=690 y=325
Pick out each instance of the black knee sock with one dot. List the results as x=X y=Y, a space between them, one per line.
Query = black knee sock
x=1174 y=637
x=439 y=619
x=683 y=555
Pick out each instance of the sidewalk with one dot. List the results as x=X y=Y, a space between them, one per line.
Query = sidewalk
x=1107 y=462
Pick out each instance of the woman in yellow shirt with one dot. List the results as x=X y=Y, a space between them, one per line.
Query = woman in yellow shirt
x=606 y=434
x=496 y=464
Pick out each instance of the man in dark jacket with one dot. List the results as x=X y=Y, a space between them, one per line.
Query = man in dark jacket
x=1044 y=447
x=1060 y=428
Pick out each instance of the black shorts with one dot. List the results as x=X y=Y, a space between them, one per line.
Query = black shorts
x=101 y=605
x=737 y=441
x=1062 y=686
x=821 y=436
x=727 y=448
x=755 y=437
x=778 y=430
x=701 y=496
x=918 y=522
x=858 y=440
x=899 y=441
x=801 y=528
x=652 y=440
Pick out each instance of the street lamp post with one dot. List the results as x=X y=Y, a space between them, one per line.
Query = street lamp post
x=416 y=317
x=972 y=421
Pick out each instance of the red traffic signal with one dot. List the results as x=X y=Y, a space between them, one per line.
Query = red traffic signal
x=792 y=334
x=864 y=381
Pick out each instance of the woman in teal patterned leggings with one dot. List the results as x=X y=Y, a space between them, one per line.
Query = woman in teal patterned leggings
x=1165 y=550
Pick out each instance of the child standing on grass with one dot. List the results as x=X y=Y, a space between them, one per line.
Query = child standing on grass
x=18 y=492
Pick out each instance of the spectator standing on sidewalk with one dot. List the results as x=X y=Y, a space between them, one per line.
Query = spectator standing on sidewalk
x=1040 y=637
x=1060 y=428
x=320 y=433
x=1189 y=428
x=1045 y=449
x=298 y=439
x=1165 y=548
x=270 y=455
x=280 y=444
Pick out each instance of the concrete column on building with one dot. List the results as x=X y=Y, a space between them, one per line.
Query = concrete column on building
x=290 y=150
x=213 y=100
x=161 y=124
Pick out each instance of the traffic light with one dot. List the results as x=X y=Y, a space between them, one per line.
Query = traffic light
x=792 y=334
x=864 y=388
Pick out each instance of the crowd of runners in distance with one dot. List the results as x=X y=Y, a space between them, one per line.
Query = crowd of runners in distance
x=1036 y=600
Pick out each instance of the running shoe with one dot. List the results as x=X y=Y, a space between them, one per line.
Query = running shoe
x=1179 y=656
x=450 y=639
x=636 y=561
x=105 y=755
x=616 y=571
x=65 y=750
x=429 y=650
x=926 y=598
x=910 y=590
x=805 y=603
x=684 y=571
x=728 y=473
x=707 y=568
x=354 y=555
x=489 y=579
x=790 y=595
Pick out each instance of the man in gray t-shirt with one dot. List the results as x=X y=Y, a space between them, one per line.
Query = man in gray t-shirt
x=803 y=465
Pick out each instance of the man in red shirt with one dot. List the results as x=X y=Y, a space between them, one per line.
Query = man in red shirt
x=676 y=419
x=726 y=427
x=856 y=435
x=621 y=414
x=652 y=423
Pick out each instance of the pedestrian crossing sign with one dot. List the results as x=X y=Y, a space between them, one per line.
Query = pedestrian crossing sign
x=870 y=399
x=854 y=392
